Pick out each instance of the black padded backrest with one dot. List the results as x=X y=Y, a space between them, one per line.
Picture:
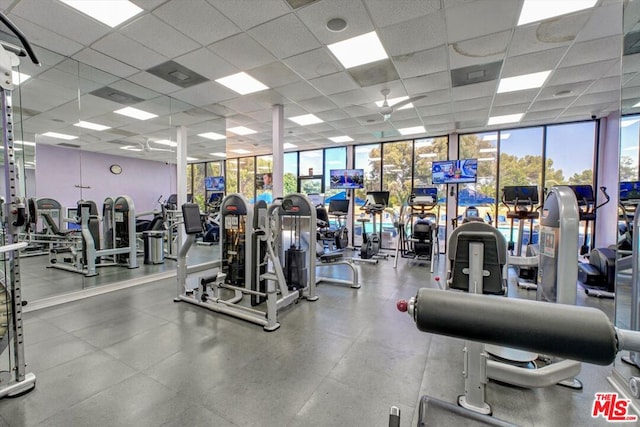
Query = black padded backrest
x=422 y=229
x=51 y=223
x=495 y=256
x=321 y=214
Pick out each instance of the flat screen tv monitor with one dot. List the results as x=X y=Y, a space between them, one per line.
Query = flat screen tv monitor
x=425 y=192
x=216 y=197
x=584 y=193
x=629 y=190
x=520 y=194
x=346 y=178
x=72 y=213
x=378 y=197
x=454 y=171
x=214 y=183
x=191 y=217
x=316 y=199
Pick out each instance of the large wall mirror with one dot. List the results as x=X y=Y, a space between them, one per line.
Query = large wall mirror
x=86 y=135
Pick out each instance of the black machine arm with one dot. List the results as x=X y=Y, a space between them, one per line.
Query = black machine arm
x=571 y=332
x=606 y=196
x=21 y=37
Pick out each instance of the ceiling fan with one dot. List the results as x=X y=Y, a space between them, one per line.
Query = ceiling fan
x=386 y=110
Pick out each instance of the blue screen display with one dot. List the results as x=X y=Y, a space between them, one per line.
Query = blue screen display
x=454 y=171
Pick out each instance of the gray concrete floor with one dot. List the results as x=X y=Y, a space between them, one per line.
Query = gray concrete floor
x=135 y=357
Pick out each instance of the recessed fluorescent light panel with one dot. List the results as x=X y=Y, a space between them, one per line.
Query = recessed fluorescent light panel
x=135 y=113
x=192 y=159
x=306 y=119
x=92 y=126
x=59 y=135
x=288 y=145
x=242 y=83
x=111 y=13
x=212 y=135
x=19 y=78
x=359 y=50
x=394 y=101
x=538 y=10
x=525 y=81
x=241 y=130
x=509 y=118
x=412 y=130
x=240 y=151
x=486 y=159
x=343 y=138
x=219 y=154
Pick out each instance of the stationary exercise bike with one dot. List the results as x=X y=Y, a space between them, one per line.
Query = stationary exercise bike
x=376 y=202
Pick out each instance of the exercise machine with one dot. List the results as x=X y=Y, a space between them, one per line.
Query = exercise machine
x=597 y=275
x=421 y=241
x=251 y=245
x=119 y=230
x=578 y=333
x=522 y=205
x=375 y=204
x=14 y=378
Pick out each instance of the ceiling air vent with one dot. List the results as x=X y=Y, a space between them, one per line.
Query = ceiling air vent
x=374 y=73
x=475 y=74
x=177 y=74
x=115 y=95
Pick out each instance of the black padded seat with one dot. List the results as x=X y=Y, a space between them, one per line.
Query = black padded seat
x=495 y=256
x=53 y=226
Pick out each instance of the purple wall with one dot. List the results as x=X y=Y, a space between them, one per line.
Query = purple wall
x=58 y=172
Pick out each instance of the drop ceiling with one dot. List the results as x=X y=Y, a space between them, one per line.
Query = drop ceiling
x=284 y=45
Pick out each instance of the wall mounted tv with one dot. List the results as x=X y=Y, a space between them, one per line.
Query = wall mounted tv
x=346 y=178
x=214 y=183
x=454 y=171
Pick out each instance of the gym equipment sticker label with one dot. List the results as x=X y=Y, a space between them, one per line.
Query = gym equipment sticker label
x=548 y=241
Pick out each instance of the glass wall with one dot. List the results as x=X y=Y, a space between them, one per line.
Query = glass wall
x=334 y=158
x=483 y=193
x=264 y=178
x=368 y=158
x=570 y=154
x=629 y=148
x=247 y=177
x=311 y=163
x=231 y=176
x=290 y=173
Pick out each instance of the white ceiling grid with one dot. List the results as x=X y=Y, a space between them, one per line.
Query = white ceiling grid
x=286 y=49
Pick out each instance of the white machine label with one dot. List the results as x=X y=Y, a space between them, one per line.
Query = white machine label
x=119 y=216
x=231 y=222
x=548 y=241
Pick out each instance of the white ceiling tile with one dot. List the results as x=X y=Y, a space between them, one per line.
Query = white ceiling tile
x=334 y=83
x=154 y=83
x=316 y=15
x=509 y=109
x=285 y=36
x=549 y=92
x=580 y=73
x=196 y=21
x=298 y=91
x=593 y=51
x=606 y=84
x=421 y=63
x=598 y=98
x=249 y=13
x=385 y=13
x=204 y=94
x=428 y=83
x=242 y=51
x=129 y=51
x=41 y=95
x=549 y=34
x=105 y=63
x=437 y=97
x=552 y=104
x=62 y=19
x=418 y=34
x=207 y=64
x=480 y=18
x=332 y=115
x=351 y=97
x=472 y=104
x=312 y=64
x=476 y=90
x=254 y=102
x=604 y=22
x=274 y=75
x=434 y=110
x=532 y=62
x=131 y=88
x=39 y=36
x=475 y=115
x=443 y=118
x=545 y=115
x=345 y=123
x=517 y=97
x=87 y=72
x=315 y=105
x=480 y=50
x=159 y=36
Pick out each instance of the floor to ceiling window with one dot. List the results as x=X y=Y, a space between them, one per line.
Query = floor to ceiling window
x=481 y=194
x=629 y=148
x=369 y=159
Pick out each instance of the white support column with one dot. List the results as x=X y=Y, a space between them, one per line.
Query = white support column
x=277 y=114
x=351 y=193
x=181 y=165
x=452 y=189
x=607 y=220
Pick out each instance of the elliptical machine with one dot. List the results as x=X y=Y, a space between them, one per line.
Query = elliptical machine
x=375 y=203
x=421 y=243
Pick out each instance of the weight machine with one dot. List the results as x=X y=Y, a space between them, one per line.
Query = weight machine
x=14 y=378
x=375 y=204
